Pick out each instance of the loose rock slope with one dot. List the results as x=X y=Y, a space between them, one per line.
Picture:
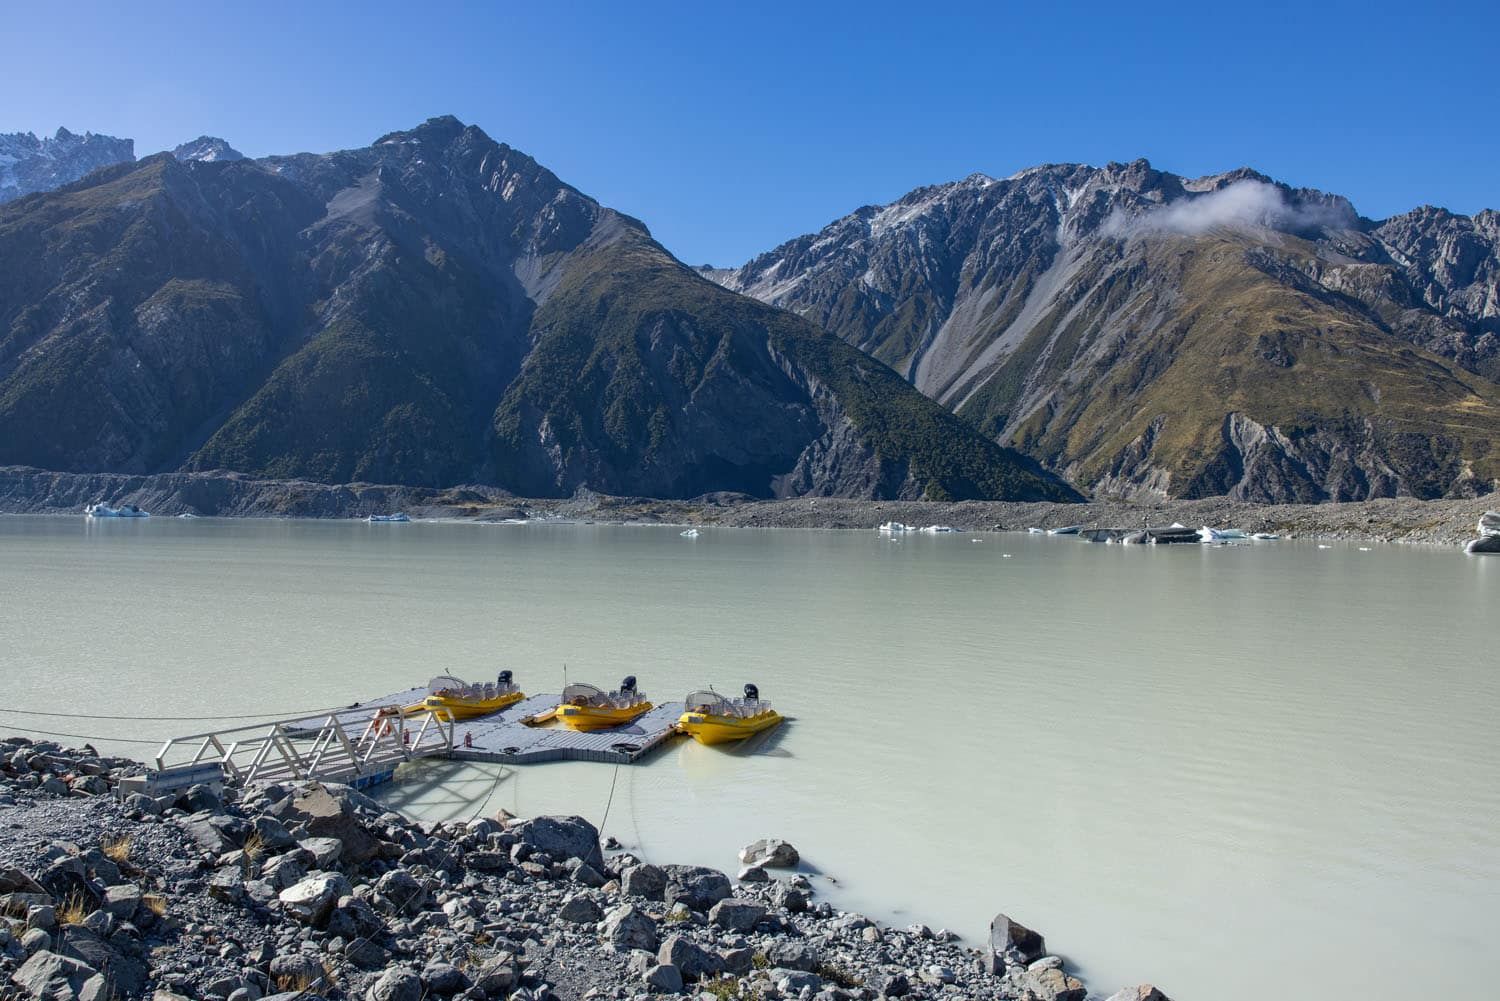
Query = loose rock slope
x=317 y=891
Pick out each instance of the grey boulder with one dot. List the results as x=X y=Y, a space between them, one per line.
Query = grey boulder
x=126 y=973
x=443 y=979
x=699 y=887
x=773 y=852
x=664 y=978
x=311 y=900
x=643 y=880
x=792 y=955
x=327 y=811
x=692 y=959
x=1012 y=943
x=498 y=975
x=562 y=838
x=1052 y=984
x=735 y=914
x=274 y=837
x=326 y=852
x=580 y=910
x=399 y=892
x=628 y=927
x=396 y=984
x=1143 y=992
x=47 y=976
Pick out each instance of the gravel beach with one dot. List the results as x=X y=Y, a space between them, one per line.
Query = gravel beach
x=309 y=891
x=31 y=491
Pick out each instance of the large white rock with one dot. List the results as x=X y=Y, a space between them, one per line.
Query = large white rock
x=772 y=852
x=310 y=900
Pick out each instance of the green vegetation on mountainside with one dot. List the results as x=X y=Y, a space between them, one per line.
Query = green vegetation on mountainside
x=1241 y=342
x=629 y=342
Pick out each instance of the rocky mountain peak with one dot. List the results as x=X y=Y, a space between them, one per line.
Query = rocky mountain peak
x=435 y=131
x=207 y=149
x=29 y=164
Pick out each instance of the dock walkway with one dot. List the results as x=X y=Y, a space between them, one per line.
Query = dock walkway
x=356 y=746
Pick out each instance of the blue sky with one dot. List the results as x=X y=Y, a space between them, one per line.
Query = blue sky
x=729 y=128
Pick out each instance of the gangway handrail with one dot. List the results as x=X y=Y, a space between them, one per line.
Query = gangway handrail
x=386 y=738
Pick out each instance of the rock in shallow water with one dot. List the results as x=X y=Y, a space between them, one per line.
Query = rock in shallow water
x=1052 y=984
x=1012 y=943
x=773 y=852
x=1144 y=992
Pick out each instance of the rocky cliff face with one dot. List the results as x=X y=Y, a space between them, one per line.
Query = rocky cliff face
x=29 y=164
x=1132 y=327
x=436 y=308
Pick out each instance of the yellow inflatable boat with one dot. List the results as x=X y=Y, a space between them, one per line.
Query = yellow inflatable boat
x=454 y=698
x=712 y=719
x=585 y=707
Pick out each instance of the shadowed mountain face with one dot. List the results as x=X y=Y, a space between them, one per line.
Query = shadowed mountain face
x=436 y=308
x=1152 y=335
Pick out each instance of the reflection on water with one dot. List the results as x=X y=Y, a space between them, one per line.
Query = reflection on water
x=1220 y=769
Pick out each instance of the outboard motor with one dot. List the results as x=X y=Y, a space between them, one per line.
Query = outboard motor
x=752 y=693
x=505 y=677
x=628 y=685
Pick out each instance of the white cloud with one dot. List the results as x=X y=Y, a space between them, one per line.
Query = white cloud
x=1241 y=205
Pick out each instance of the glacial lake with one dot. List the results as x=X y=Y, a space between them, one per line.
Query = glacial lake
x=1236 y=772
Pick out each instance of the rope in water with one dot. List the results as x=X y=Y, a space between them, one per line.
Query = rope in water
x=610 y=802
x=84 y=736
x=500 y=773
x=175 y=719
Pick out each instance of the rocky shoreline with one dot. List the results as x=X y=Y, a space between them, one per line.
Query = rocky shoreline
x=311 y=891
x=1401 y=519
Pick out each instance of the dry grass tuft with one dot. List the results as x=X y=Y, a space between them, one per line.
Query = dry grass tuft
x=250 y=855
x=155 y=903
x=304 y=982
x=117 y=849
x=73 y=910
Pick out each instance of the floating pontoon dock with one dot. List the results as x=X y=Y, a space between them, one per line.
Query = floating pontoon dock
x=361 y=746
x=503 y=736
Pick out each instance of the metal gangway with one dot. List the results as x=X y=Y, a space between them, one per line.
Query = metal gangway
x=358 y=746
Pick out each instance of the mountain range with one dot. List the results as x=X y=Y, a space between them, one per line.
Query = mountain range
x=436 y=308
x=29 y=164
x=1150 y=335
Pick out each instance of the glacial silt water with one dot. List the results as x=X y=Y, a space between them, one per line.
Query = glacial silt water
x=1220 y=769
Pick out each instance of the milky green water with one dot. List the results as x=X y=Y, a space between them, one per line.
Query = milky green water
x=1223 y=770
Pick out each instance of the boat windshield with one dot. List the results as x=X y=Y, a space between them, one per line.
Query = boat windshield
x=717 y=705
x=588 y=695
x=446 y=683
